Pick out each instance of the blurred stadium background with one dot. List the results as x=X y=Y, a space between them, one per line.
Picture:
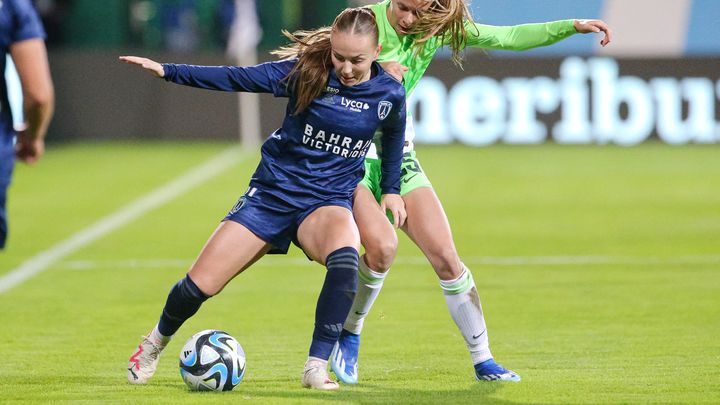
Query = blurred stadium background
x=659 y=78
x=598 y=264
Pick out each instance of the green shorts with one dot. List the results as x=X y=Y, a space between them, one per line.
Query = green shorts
x=411 y=175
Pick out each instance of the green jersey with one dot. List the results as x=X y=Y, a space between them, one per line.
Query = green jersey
x=400 y=49
x=397 y=48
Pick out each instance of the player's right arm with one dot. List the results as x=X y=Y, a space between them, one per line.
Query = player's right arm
x=263 y=78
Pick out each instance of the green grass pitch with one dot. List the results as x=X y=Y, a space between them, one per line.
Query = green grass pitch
x=598 y=269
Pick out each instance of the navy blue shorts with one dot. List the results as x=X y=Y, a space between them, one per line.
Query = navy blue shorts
x=275 y=217
x=7 y=161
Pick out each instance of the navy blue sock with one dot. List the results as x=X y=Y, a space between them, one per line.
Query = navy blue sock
x=336 y=298
x=183 y=302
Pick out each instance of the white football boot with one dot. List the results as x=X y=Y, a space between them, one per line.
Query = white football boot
x=315 y=376
x=144 y=361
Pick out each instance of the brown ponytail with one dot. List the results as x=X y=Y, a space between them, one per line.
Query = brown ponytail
x=309 y=76
x=444 y=19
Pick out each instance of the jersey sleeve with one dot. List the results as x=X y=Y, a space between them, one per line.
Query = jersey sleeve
x=393 y=141
x=264 y=78
x=26 y=21
x=518 y=37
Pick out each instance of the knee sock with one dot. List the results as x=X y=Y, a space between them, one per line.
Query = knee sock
x=369 y=285
x=336 y=298
x=183 y=302
x=464 y=304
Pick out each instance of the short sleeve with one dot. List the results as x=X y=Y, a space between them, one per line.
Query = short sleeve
x=27 y=24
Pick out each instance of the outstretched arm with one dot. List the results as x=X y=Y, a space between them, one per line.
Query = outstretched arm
x=263 y=78
x=594 y=26
x=149 y=65
x=528 y=36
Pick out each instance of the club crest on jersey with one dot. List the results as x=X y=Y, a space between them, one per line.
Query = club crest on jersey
x=384 y=109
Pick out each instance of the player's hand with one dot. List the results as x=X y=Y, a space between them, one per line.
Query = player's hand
x=147 y=64
x=29 y=150
x=588 y=26
x=395 y=204
x=395 y=70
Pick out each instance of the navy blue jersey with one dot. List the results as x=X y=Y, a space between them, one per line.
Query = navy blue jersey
x=318 y=153
x=18 y=22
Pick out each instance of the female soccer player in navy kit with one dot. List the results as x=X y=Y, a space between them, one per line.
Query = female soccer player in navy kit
x=303 y=186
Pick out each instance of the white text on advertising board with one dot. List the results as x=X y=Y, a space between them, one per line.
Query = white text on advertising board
x=595 y=103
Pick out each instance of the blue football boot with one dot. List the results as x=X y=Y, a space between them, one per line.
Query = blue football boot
x=344 y=357
x=488 y=370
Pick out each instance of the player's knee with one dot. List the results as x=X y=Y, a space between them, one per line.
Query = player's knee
x=206 y=284
x=379 y=256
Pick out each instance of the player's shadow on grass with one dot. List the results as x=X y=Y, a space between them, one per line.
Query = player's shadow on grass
x=478 y=392
x=267 y=391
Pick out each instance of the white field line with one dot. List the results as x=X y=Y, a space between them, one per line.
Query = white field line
x=412 y=261
x=154 y=199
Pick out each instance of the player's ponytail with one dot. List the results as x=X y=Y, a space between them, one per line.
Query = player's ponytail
x=444 y=19
x=313 y=50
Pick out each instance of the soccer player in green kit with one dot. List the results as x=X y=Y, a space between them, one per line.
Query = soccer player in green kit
x=411 y=32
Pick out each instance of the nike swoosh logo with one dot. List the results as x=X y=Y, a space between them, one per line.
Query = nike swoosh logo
x=477 y=336
x=130 y=369
x=409 y=178
x=360 y=313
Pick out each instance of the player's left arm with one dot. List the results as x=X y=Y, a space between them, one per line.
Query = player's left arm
x=393 y=142
x=31 y=62
x=528 y=36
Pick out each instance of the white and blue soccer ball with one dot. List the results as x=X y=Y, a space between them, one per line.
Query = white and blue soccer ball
x=212 y=360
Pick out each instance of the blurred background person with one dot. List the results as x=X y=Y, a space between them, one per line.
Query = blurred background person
x=22 y=36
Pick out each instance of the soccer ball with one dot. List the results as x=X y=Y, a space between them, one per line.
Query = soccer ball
x=212 y=360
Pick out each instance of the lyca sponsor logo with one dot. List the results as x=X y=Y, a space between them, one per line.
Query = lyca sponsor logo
x=357 y=106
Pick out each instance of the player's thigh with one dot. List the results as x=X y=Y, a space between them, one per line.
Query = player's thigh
x=231 y=249
x=377 y=234
x=326 y=230
x=428 y=226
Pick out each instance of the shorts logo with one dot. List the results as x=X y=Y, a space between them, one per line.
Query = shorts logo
x=384 y=109
x=241 y=201
x=238 y=205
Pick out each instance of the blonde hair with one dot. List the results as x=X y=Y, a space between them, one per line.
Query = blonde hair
x=444 y=19
x=310 y=74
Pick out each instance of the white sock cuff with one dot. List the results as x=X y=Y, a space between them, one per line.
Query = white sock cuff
x=158 y=338
x=315 y=360
x=459 y=285
x=369 y=276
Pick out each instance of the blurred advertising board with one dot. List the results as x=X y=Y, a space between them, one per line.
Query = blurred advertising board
x=595 y=100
